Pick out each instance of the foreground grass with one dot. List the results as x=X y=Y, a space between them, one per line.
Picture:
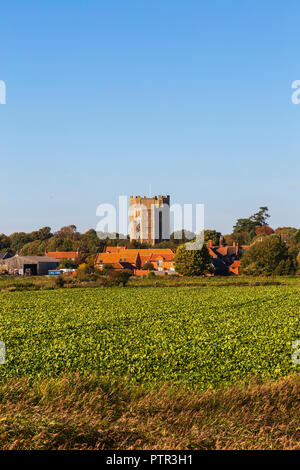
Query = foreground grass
x=217 y=281
x=36 y=283
x=81 y=412
x=188 y=335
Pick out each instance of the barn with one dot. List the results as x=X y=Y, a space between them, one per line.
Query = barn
x=31 y=265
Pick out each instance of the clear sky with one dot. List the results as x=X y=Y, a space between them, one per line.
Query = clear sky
x=105 y=97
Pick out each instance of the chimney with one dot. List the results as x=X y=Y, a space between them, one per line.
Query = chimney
x=221 y=241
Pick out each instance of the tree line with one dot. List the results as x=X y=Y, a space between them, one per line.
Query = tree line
x=275 y=251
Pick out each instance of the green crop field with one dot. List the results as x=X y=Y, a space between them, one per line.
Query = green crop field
x=189 y=335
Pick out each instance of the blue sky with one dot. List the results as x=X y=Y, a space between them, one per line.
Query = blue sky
x=106 y=97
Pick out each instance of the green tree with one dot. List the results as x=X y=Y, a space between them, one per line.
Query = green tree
x=267 y=258
x=41 y=234
x=89 y=242
x=192 y=262
x=261 y=217
x=249 y=224
x=18 y=240
x=35 y=248
x=148 y=266
x=4 y=242
x=212 y=235
x=117 y=278
x=297 y=237
x=67 y=264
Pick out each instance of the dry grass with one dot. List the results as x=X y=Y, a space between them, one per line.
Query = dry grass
x=76 y=412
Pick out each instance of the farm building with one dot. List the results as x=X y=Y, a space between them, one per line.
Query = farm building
x=60 y=255
x=31 y=265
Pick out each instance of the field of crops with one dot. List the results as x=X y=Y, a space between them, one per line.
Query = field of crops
x=191 y=335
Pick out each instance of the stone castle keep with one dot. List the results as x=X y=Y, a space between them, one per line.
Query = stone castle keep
x=150 y=219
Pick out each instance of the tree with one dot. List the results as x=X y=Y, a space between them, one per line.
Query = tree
x=297 y=237
x=229 y=239
x=35 y=248
x=212 y=235
x=67 y=264
x=266 y=257
x=298 y=259
x=82 y=272
x=18 y=240
x=264 y=230
x=285 y=267
x=4 y=242
x=255 y=220
x=117 y=278
x=261 y=217
x=89 y=242
x=70 y=231
x=41 y=234
x=148 y=266
x=192 y=262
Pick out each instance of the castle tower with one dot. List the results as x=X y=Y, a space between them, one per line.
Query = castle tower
x=150 y=219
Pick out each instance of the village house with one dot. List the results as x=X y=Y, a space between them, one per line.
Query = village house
x=135 y=259
x=123 y=260
x=163 y=262
x=226 y=259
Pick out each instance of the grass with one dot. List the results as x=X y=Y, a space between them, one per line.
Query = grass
x=22 y=283
x=90 y=412
x=72 y=356
x=188 y=335
x=218 y=281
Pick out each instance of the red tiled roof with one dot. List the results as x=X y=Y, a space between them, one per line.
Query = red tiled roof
x=114 y=249
x=211 y=252
x=150 y=251
x=236 y=264
x=234 y=267
x=223 y=250
x=166 y=257
x=145 y=259
x=110 y=258
x=62 y=254
x=131 y=255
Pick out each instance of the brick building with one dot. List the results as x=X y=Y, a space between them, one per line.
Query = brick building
x=135 y=259
x=150 y=219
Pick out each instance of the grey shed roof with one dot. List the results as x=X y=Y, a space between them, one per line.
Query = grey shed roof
x=32 y=259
